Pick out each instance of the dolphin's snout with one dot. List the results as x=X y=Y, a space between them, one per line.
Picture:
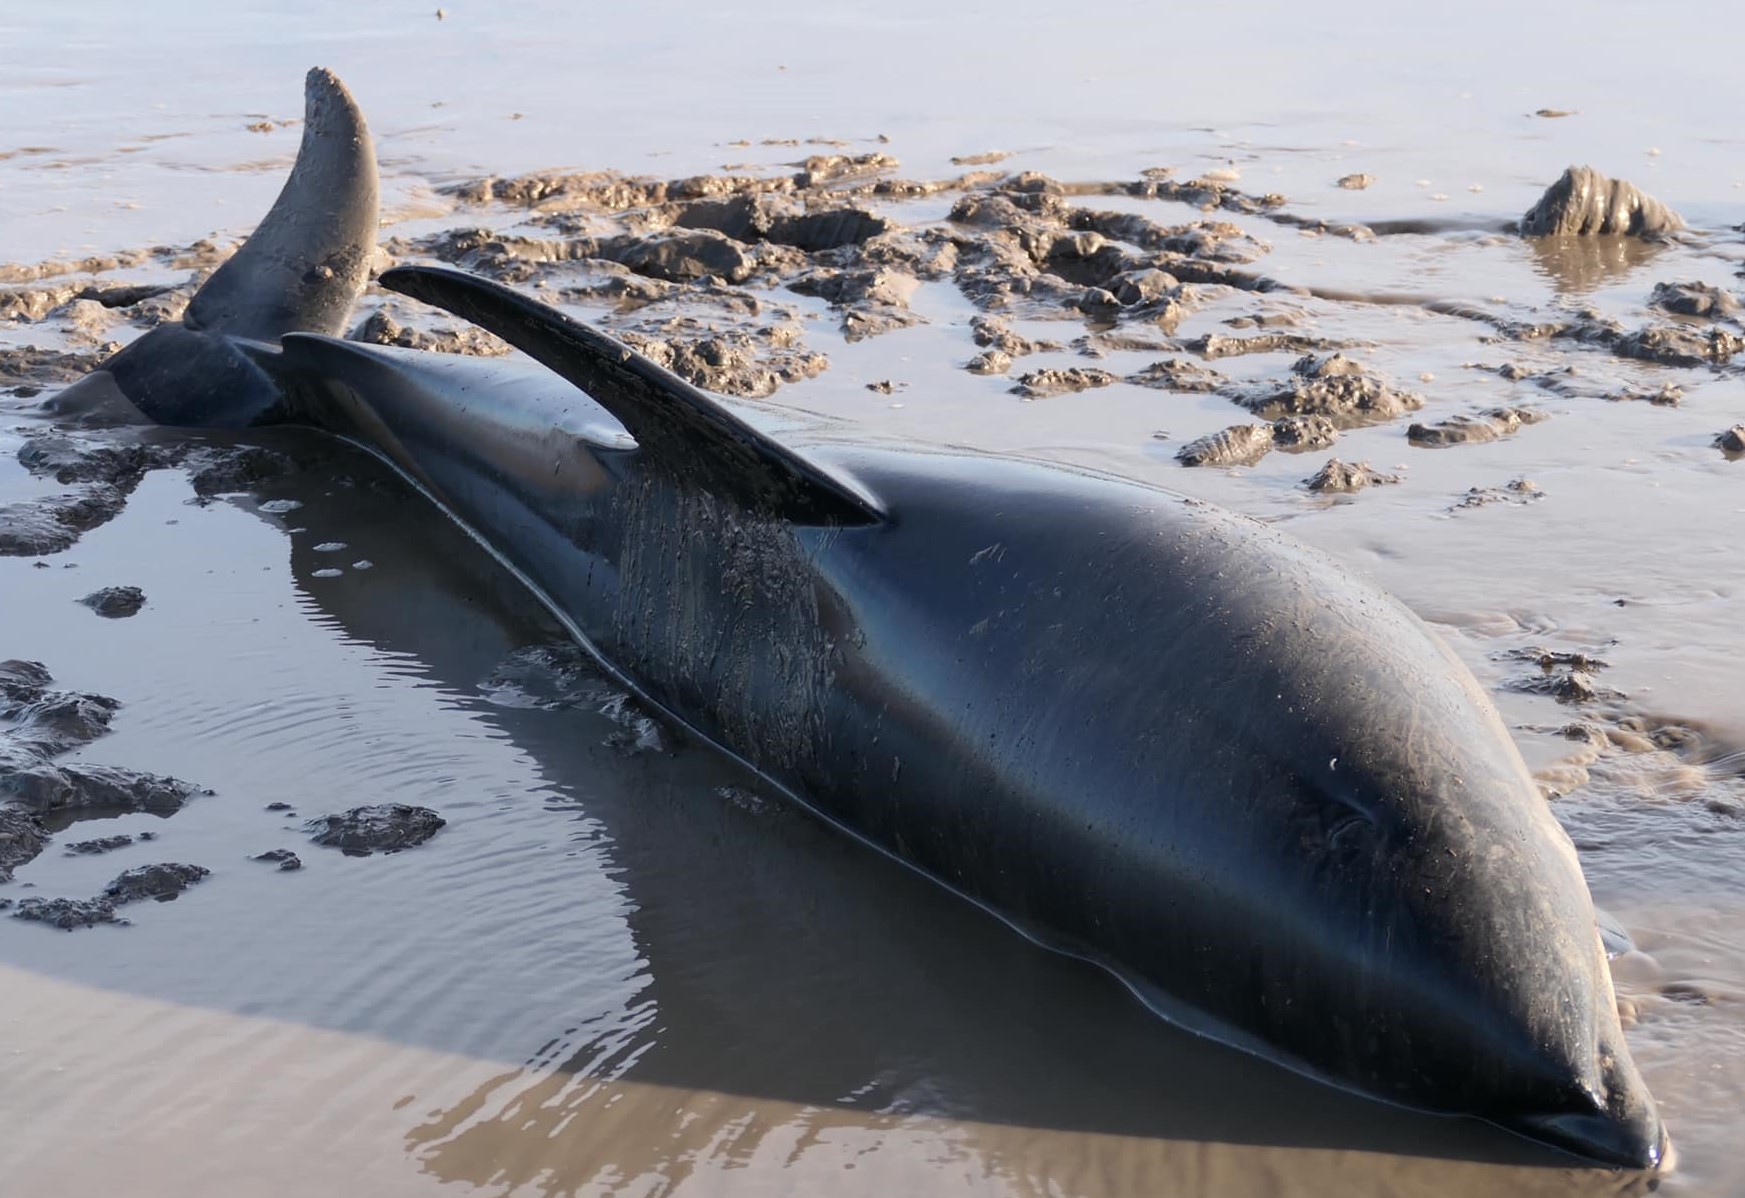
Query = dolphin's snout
x=1617 y=1126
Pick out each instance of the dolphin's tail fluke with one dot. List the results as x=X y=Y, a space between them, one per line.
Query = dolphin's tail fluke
x=300 y=271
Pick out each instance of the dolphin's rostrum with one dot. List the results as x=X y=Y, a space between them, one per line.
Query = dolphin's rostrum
x=1142 y=730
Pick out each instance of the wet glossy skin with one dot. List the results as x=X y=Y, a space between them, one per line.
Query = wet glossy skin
x=1139 y=728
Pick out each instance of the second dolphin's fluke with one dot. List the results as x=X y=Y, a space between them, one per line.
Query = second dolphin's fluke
x=1141 y=729
x=300 y=271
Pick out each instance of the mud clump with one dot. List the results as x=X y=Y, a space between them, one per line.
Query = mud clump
x=990 y=332
x=1694 y=299
x=1584 y=203
x=1238 y=445
x=992 y=361
x=44 y=723
x=54 y=523
x=386 y=828
x=115 y=603
x=1519 y=491
x=1333 y=386
x=1043 y=384
x=1678 y=345
x=22 y=840
x=379 y=328
x=99 y=846
x=22 y=681
x=1554 y=659
x=88 y=791
x=121 y=463
x=1470 y=430
x=28 y=370
x=109 y=473
x=160 y=883
x=1217 y=345
x=871 y=301
x=1732 y=442
x=285 y=859
x=727 y=364
x=1246 y=444
x=226 y=470
x=67 y=914
x=1342 y=478
x=1667 y=395
x=1566 y=686
x=1174 y=374
x=52 y=722
x=1301 y=434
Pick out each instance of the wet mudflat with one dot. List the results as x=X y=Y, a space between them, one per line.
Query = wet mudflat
x=614 y=965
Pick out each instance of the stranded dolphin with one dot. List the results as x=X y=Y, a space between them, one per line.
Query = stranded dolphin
x=1142 y=730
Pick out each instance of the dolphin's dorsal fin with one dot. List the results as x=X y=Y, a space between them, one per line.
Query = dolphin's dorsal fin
x=307 y=260
x=682 y=429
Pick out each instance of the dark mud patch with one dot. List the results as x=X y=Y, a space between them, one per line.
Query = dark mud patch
x=1491 y=425
x=158 y=883
x=1679 y=345
x=1584 y=203
x=232 y=469
x=28 y=370
x=1566 y=686
x=1176 y=374
x=1567 y=675
x=22 y=840
x=39 y=797
x=731 y=363
x=1332 y=386
x=1550 y=660
x=1697 y=300
x=54 y=523
x=64 y=793
x=51 y=722
x=1044 y=384
x=381 y=328
x=1216 y=345
x=69 y=915
x=107 y=471
x=385 y=828
x=1516 y=493
x=1246 y=444
x=1667 y=395
x=1017 y=243
x=99 y=846
x=1338 y=477
x=1238 y=445
x=285 y=859
x=995 y=334
x=115 y=603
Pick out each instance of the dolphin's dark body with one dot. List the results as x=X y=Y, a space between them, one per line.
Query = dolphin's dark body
x=1139 y=728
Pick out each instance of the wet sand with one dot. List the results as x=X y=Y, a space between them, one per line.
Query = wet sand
x=617 y=967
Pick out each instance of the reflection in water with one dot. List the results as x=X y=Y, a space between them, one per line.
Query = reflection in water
x=1578 y=265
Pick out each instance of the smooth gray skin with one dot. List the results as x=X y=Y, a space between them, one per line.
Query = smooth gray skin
x=1140 y=729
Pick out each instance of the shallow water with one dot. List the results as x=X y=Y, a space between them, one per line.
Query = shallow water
x=618 y=969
